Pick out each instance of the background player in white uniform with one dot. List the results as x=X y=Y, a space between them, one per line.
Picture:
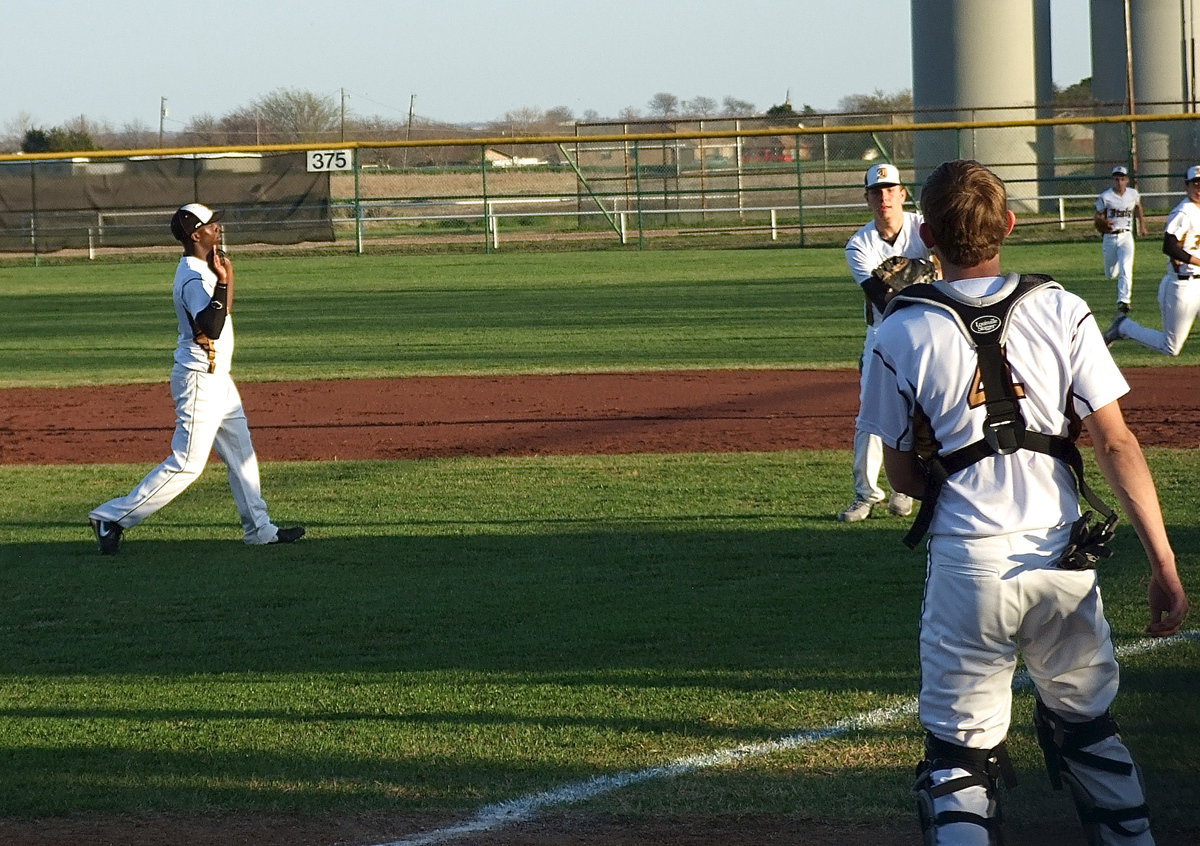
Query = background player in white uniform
x=1118 y=211
x=208 y=408
x=891 y=232
x=1179 y=290
x=993 y=588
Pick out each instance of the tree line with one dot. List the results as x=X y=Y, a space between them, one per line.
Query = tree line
x=287 y=116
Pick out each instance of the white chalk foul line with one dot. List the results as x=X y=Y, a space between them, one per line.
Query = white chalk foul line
x=502 y=814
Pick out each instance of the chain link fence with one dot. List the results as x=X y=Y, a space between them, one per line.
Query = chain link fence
x=793 y=180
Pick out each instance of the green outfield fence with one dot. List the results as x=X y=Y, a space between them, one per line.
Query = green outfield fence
x=731 y=181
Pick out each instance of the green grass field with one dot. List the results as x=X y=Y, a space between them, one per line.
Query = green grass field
x=328 y=317
x=462 y=632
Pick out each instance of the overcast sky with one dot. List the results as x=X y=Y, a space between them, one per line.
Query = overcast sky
x=465 y=60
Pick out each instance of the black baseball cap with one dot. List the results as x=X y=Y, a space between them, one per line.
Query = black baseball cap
x=187 y=219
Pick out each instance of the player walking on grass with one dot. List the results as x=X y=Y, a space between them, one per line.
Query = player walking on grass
x=1118 y=210
x=1003 y=576
x=891 y=232
x=1179 y=290
x=208 y=409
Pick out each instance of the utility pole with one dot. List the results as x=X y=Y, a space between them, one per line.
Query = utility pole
x=412 y=102
x=343 y=114
x=1134 y=159
x=162 y=117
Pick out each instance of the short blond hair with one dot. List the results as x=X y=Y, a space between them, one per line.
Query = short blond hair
x=966 y=207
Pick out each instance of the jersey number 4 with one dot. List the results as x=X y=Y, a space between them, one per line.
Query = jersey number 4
x=978 y=396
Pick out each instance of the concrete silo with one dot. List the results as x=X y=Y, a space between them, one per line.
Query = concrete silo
x=974 y=60
x=1158 y=58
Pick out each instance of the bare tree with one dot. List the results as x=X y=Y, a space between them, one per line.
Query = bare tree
x=15 y=129
x=134 y=135
x=663 y=104
x=700 y=107
x=523 y=121
x=733 y=107
x=203 y=130
x=293 y=115
x=559 y=116
x=879 y=101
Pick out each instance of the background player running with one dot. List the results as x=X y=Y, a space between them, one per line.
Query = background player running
x=1179 y=290
x=1118 y=211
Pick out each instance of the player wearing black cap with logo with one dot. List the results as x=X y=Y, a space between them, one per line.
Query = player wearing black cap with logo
x=208 y=408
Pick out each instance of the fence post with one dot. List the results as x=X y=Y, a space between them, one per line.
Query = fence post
x=33 y=219
x=487 y=209
x=800 y=189
x=637 y=188
x=1062 y=213
x=358 y=221
x=737 y=125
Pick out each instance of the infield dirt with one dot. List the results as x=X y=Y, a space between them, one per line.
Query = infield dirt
x=680 y=411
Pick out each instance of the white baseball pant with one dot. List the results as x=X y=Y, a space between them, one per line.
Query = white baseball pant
x=986 y=600
x=1118 y=250
x=1179 y=303
x=209 y=415
x=868 y=449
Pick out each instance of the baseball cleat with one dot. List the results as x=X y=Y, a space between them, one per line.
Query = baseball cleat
x=108 y=536
x=860 y=509
x=1124 y=308
x=289 y=535
x=900 y=504
x=1113 y=332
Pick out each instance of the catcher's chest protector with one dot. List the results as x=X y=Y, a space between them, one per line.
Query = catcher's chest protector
x=986 y=326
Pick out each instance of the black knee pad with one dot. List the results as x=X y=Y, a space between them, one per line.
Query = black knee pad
x=984 y=767
x=1063 y=743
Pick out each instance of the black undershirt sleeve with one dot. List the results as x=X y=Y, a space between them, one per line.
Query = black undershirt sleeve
x=876 y=292
x=211 y=320
x=1174 y=250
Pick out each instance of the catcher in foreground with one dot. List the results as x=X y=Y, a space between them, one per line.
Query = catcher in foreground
x=998 y=584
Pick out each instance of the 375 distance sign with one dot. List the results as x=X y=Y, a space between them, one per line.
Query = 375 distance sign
x=323 y=160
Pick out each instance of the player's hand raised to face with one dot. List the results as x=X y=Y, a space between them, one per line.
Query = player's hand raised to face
x=221 y=265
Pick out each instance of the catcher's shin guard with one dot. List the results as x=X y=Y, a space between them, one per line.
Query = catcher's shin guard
x=956 y=793
x=1105 y=784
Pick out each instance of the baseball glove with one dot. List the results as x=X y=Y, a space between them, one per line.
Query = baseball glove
x=898 y=272
x=1103 y=225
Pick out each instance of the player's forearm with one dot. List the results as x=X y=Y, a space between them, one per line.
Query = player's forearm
x=1123 y=464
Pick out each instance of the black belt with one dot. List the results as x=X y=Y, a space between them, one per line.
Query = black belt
x=1184 y=276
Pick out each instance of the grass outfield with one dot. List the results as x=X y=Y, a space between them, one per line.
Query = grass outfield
x=459 y=632
x=380 y=316
x=467 y=631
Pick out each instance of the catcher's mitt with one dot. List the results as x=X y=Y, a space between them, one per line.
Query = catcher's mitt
x=898 y=272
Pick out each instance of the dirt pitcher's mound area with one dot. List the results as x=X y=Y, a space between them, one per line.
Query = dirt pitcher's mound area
x=684 y=411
